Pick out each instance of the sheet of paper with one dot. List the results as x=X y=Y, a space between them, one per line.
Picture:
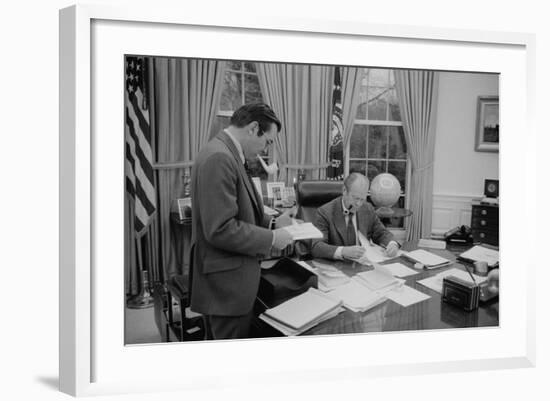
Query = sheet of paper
x=433 y=283
x=303 y=231
x=406 y=296
x=400 y=270
x=373 y=253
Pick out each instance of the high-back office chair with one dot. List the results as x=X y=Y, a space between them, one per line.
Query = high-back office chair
x=309 y=196
x=312 y=194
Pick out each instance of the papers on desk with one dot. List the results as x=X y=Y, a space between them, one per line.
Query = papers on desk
x=304 y=311
x=436 y=282
x=479 y=253
x=329 y=277
x=373 y=253
x=303 y=231
x=406 y=296
x=356 y=297
x=379 y=279
x=428 y=259
x=400 y=270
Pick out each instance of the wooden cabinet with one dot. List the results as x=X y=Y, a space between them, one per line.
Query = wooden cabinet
x=485 y=223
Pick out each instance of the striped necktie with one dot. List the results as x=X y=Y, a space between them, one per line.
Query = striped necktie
x=350 y=232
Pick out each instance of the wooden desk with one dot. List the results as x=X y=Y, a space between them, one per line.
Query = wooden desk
x=390 y=316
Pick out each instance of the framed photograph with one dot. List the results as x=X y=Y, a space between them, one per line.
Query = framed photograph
x=488 y=124
x=94 y=359
x=275 y=190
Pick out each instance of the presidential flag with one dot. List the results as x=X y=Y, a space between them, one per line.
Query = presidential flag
x=139 y=155
x=336 y=150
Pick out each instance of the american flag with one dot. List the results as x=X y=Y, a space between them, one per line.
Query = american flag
x=336 y=150
x=139 y=156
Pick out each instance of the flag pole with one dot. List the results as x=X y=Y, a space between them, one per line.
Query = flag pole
x=144 y=299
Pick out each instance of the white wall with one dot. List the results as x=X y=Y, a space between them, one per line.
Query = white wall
x=458 y=168
x=460 y=171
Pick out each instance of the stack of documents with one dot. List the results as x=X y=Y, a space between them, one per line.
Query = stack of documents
x=356 y=297
x=379 y=279
x=329 y=277
x=428 y=259
x=303 y=231
x=436 y=282
x=479 y=253
x=300 y=313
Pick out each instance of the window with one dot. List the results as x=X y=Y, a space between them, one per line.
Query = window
x=377 y=144
x=240 y=86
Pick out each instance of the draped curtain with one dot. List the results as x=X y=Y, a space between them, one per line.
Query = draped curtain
x=186 y=94
x=351 y=87
x=301 y=97
x=417 y=93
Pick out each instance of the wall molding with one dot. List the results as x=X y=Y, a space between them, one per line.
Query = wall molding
x=450 y=210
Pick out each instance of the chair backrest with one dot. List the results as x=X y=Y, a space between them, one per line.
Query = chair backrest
x=312 y=194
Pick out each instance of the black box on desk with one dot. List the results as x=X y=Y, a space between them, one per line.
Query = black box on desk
x=460 y=293
x=286 y=279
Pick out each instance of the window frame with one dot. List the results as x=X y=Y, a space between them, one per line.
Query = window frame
x=384 y=123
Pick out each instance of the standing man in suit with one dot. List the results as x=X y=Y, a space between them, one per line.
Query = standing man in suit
x=231 y=232
x=340 y=220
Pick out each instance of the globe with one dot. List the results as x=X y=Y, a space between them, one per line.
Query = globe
x=384 y=192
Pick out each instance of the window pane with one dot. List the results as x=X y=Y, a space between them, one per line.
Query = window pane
x=358 y=142
x=374 y=168
x=252 y=89
x=357 y=166
x=378 y=77
x=250 y=67
x=232 y=92
x=398 y=146
x=377 y=142
x=362 y=108
x=399 y=169
x=377 y=104
x=393 y=103
x=219 y=123
x=234 y=65
x=392 y=78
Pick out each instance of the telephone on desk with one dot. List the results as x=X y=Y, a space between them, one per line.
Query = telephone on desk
x=461 y=234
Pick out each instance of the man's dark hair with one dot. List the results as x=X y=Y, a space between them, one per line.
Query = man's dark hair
x=259 y=112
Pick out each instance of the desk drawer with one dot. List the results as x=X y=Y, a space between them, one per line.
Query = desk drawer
x=487 y=223
x=485 y=236
x=488 y=212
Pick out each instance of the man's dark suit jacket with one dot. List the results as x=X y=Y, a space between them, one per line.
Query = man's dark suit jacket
x=332 y=223
x=230 y=232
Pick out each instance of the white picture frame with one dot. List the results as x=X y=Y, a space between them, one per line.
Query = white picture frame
x=275 y=191
x=93 y=358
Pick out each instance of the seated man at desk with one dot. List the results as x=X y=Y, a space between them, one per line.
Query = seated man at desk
x=340 y=219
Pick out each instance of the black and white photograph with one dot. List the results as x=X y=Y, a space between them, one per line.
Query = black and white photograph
x=389 y=229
